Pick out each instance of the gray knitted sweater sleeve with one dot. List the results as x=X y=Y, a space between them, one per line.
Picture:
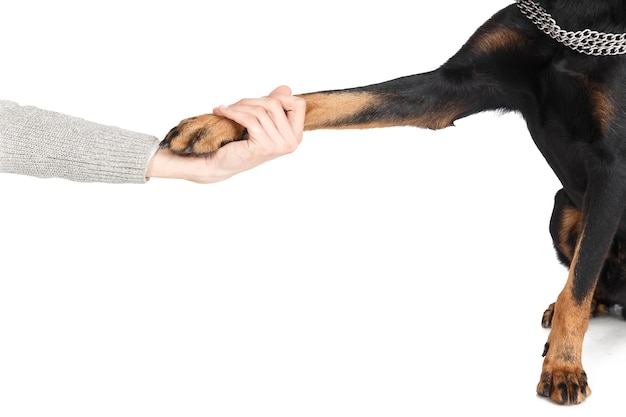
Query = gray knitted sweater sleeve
x=46 y=144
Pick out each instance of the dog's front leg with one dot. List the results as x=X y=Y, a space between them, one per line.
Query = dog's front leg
x=487 y=73
x=429 y=100
x=563 y=379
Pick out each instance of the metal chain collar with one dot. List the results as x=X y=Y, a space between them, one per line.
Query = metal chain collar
x=585 y=41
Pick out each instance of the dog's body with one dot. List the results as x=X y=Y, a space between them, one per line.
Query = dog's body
x=571 y=102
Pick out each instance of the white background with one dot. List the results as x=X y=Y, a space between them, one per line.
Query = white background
x=389 y=272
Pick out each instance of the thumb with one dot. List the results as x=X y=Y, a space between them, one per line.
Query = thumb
x=283 y=90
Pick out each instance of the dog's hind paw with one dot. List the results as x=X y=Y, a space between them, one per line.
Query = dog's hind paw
x=203 y=135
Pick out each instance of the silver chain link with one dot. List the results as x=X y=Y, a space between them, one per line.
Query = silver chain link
x=585 y=41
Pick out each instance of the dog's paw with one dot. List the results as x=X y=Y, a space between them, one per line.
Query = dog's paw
x=203 y=135
x=564 y=386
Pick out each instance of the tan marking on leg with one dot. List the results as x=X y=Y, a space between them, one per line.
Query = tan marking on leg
x=339 y=110
x=571 y=221
x=326 y=110
x=562 y=367
x=601 y=104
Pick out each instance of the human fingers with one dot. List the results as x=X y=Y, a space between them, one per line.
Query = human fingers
x=295 y=108
x=275 y=122
x=261 y=118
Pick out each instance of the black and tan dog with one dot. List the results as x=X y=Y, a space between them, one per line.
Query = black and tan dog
x=569 y=86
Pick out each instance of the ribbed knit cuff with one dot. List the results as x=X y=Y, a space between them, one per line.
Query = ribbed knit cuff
x=47 y=144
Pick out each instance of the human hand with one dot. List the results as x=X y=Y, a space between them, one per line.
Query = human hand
x=274 y=124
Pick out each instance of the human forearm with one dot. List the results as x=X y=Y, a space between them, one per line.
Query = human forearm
x=47 y=144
